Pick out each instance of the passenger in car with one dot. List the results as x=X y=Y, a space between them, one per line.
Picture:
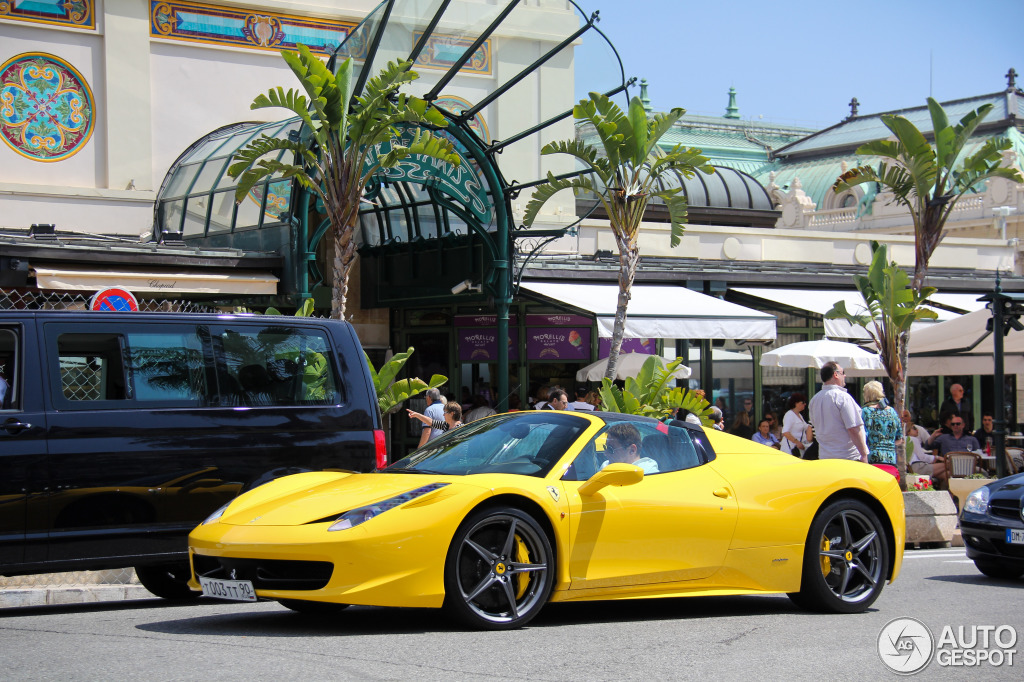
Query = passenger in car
x=622 y=444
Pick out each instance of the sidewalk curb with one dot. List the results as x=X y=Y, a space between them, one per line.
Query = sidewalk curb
x=78 y=594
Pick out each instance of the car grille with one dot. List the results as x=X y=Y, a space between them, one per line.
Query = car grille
x=1007 y=509
x=266 y=574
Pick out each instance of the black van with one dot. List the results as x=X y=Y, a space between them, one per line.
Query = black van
x=120 y=432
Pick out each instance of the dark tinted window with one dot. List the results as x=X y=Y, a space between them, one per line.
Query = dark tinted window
x=277 y=365
x=9 y=388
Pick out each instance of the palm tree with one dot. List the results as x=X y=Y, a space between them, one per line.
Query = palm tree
x=345 y=146
x=929 y=180
x=624 y=174
x=892 y=306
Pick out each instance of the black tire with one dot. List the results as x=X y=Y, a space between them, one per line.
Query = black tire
x=312 y=607
x=499 y=570
x=846 y=560
x=995 y=570
x=169 y=581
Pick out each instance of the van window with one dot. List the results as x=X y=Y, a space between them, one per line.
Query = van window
x=277 y=365
x=142 y=367
x=8 y=369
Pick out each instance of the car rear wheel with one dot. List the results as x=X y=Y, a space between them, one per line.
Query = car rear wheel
x=169 y=581
x=313 y=607
x=499 y=570
x=994 y=570
x=846 y=560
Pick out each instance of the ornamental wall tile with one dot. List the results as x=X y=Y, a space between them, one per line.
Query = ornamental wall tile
x=47 y=110
x=443 y=50
x=210 y=24
x=77 y=13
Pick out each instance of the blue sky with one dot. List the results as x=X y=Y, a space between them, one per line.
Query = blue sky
x=800 y=61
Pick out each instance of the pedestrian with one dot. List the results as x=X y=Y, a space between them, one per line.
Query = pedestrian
x=764 y=436
x=480 y=409
x=452 y=418
x=838 y=423
x=776 y=427
x=557 y=400
x=581 y=400
x=542 y=397
x=811 y=451
x=957 y=404
x=794 y=426
x=434 y=411
x=881 y=424
x=594 y=399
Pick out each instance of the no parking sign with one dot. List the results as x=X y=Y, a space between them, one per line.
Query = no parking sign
x=114 y=300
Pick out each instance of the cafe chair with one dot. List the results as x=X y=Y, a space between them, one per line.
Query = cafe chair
x=1014 y=460
x=961 y=464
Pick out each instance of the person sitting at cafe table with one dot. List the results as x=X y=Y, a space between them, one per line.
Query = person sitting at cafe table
x=921 y=461
x=764 y=436
x=986 y=434
x=957 y=441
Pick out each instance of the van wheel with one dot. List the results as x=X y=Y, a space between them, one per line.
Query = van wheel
x=169 y=581
x=845 y=560
x=312 y=607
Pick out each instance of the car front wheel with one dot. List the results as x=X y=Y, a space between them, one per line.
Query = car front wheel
x=845 y=561
x=499 y=570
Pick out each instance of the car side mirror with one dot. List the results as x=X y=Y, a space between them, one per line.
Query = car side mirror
x=617 y=474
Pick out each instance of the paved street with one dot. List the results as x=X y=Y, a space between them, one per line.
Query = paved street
x=705 y=638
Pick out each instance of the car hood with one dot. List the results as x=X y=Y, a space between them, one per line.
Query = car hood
x=283 y=503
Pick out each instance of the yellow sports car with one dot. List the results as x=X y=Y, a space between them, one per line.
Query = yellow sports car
x=497 y=518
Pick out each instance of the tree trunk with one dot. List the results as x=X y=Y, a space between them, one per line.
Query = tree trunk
x=899 y=388
x=344 y=257
x=629 y=257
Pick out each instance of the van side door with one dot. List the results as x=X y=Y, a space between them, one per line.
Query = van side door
x=133 y=453
x=22 y=444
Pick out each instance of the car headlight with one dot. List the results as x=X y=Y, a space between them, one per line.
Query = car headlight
x=353 y=518
x=977 y=501
x=215 y=515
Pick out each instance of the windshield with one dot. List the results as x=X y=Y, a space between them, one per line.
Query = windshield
x=521 y=443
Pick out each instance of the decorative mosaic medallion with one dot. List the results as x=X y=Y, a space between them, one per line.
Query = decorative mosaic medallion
x=46 y=107
x=456 y=105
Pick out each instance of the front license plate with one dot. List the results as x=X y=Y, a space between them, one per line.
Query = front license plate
x=235 y=590
x=1014 y=536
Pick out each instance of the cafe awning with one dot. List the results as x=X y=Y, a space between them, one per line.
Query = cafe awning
x=820 y=301
x=155 y=281
x=963 y=346
x=661 y=312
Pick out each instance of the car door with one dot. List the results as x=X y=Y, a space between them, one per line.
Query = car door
x=22 y=444
x=674 y=525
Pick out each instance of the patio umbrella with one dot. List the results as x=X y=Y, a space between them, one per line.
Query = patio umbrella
x=851 y=357
x=628 y=366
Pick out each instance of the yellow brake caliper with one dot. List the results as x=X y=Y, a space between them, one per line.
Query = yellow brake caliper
x=826 y=562
x=522 y=557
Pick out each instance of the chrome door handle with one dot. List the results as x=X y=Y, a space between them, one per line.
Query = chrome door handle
x=14 y=426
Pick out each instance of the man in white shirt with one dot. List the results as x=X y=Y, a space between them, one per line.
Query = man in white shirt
x=838 y=425
x=580 y=403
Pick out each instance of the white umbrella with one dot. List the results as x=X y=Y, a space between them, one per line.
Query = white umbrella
x=629 y=365
x=852 y=358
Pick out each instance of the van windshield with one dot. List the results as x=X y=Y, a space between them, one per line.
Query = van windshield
x=525 y=443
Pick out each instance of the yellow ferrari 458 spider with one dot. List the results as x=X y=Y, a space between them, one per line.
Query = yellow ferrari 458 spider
x=497 y=518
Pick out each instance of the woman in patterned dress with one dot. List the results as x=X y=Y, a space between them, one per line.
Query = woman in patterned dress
x=881 y=424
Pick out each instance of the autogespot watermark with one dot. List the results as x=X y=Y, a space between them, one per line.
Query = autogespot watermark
x=906 y=646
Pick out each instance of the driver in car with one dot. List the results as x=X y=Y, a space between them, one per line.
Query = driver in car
x=622 y=444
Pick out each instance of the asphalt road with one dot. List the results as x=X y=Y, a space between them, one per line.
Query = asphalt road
x=723 y=638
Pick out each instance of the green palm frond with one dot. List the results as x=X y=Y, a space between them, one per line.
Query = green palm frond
x=292 y=100
x=553 y=186
x=423 y=143
x=677 y=206
x=611 y=125
x=263 y=145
